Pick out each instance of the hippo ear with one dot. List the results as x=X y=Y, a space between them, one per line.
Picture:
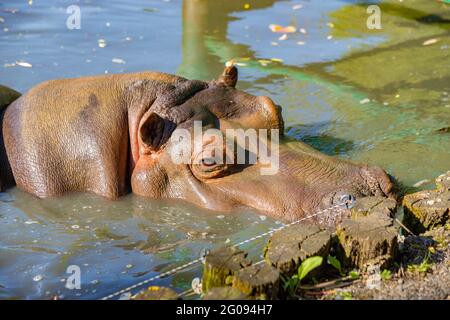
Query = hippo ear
x=229 y=76
x=154 y=132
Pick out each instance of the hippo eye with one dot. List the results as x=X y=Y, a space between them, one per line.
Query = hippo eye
x=208 y=162
x=207 y=167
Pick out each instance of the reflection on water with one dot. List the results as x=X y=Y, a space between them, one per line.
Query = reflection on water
x=377 y=96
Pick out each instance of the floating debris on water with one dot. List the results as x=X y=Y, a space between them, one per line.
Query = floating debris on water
x=151 y=10
x=101 y=43
x=283 y=37
x=75 y=226
x=430 y=41
x=444 y=130
x=421 y=183
x=38 y=278
x=277 y=60
x=301 y=43
x=264 y=62
x=31 y=222
x=220 y=216
x=303 y=30
x=330 y=37
x=280 y=29
x=297 y=7
x=118 y=60
x=364 y=101
x=24 y=64
x=129 y=266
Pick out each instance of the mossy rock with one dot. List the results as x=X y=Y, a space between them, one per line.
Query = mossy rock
x=258 y=282
x=370 y=240
x=156 y=293
x=225 y=293
x=370 y=205
x=220 y=265
x=289 y=247
x=425 y=210
x=443 y=182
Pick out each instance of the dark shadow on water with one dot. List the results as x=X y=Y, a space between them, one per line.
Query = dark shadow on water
x=401 y=10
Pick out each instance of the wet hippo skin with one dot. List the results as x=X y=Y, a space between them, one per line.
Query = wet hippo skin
x=112 y=135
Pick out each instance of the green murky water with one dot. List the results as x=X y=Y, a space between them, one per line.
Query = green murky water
x=376 y=96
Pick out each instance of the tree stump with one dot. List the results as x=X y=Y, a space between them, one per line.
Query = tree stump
x=370 y=240
x=259 y=282
x=425 y=210
x=428 y=209
x=156 y=293
x=224 y=293
x=289 y=247
x=370 y=205
x=221 y=264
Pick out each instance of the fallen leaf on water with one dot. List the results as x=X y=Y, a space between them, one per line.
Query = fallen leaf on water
x=364 y=101
x=277 y=60
x=101 y=43
x=264 y=62
x=331 y=25
x=421 y=183
x=247 y=6
x=280 y=29
x=24 y=64
x=283 y=37
x=430 y=41
x=118 y=60
x=150 y=9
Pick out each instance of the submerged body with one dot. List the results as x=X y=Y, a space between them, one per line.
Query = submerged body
x=112 y=134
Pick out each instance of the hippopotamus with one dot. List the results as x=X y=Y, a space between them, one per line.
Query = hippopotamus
x=112 y=134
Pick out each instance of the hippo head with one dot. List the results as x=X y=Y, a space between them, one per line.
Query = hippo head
x=222 y=149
